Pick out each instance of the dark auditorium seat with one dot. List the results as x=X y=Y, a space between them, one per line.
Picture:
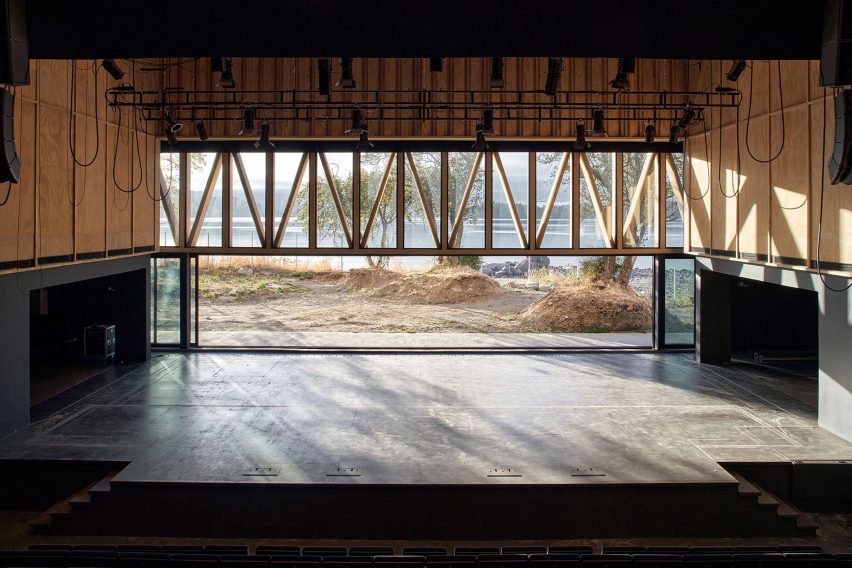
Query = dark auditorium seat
x=667 y=549
x=409 y=561
x=605 y=560
x=190 y=560
x=50 y=547
x=574 y=549
x=757 y=559
x=646 y=560
x=295 y=561
x=278 y=550
x=554 y=560
x=324 y=551
x=424 y=551
x=455 y=561
x=502 y=560
x=622 y=550
x=370 y=551
x=142 y=559
x=524 y=550
x=348 y=561
x=476 y=550
x=138 y=548
x=242 y=561
x=808 y=560
x=711 y=550
x=226 y=549
x=182 y=548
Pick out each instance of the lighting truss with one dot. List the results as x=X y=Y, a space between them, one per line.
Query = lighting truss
x=301 y=105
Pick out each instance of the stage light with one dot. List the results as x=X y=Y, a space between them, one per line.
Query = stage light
x=737 y=68
x=673 y=133
x=171 y=136
x=172 y=124
x=650 y=133
x=358 y=125
x=621 y=81
x=201 y=129
x=113 y=69
x=346 y=79
x=687 y=118
x=481 y=145
x=364 y=143
x=249 y=114
x=496 y=81
x=598 y=122
x=554 y=73
x=216 y=64
x=324 y=72
x=580 y=142
x=487 y=122
x=226 y=78
x=436 y=64
x=263 y=141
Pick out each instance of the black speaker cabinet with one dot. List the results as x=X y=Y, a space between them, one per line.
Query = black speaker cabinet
x=10 y=164
x=840 y=164
x=14 y=45
x=836 y=61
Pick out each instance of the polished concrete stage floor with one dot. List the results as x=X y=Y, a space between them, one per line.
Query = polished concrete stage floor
x=443 y=419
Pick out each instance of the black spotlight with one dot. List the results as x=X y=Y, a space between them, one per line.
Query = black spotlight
x=113 y=69
x=436 y=64
x=249 y=114
x=737 y=68
x=580 y=143
x=554 y=72
x=172 y=124
x=621 y=81
x=496 y=81
x=216 y=64
x=346 y=79
x=171 y=136
x=598 y=128
x=481 y=145
x=263 y=141
x=226 y=78
x=364 y=143
x=201 y=129
x=687 y=118
x=358 y=125
x=487 y=124
x=674 y=133
x=324 y=72
x=650 y=133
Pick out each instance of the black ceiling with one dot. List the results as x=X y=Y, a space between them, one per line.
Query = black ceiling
x=677 y=29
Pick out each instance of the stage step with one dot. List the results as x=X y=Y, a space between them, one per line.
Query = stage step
x=783 y=510
x=62 y=512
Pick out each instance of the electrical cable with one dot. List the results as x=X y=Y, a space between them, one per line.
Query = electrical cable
x=709 y=171
x=72 y=118
x=8 y=194
x=748 y=118
x=822 y=200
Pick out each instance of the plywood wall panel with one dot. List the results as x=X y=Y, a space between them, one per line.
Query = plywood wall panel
x=17 y=215
x=90 y=186
x=144 y=204
x=55 y=188
x=753 y=198
x=725 y=189
x=699 y=173
x=790 y=185
x=118 y=199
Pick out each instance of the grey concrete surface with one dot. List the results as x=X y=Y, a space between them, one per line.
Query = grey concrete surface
x=638 y=417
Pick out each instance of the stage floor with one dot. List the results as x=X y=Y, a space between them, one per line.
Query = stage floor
x=435 y=419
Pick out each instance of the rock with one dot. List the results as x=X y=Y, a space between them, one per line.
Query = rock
x=522 y=267
x=531 y=285
x=244 y=271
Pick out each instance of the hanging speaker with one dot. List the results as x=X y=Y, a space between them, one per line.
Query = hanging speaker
x=10 y=164
x=836 y=62
x=840 y=164
x=14 y=46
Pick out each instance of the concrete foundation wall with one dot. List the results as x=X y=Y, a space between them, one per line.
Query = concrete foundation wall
x=835 y=331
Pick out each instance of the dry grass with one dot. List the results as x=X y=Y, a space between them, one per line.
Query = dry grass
x=436 y=286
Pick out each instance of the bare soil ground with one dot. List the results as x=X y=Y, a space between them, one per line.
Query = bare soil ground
x=366 y=300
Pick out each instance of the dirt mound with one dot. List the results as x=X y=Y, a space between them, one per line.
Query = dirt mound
x=586 y=307
x=434 y=287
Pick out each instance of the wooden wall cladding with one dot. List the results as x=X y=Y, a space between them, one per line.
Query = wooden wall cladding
x=62 y=211
x=396 y=74
x=775 y=215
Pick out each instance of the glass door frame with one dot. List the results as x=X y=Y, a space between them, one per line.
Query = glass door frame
x=659 y=334
x=188 y=299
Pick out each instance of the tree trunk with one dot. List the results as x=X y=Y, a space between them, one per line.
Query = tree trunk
x=626 y=270
x=609 y=269
x=370 y=261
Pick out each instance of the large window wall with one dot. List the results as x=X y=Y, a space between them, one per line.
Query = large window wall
x=392 y=200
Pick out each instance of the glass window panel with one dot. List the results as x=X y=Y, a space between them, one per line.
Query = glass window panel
x=330 y=229
x=640 y=202
x=558 y=231
x=201 y=164
x=243 y=229
x=170 y=168
x=679 y=310
x=418 y=233
x=602 y=166
x=503 y=231
x=286 y=170
x=373 y=167
x=165 y=301
x=472 y=228
x=674 y=218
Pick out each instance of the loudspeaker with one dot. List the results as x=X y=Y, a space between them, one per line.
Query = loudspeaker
x=10 y=164
x=836 y=62
x=840 y=164
x=14 y=46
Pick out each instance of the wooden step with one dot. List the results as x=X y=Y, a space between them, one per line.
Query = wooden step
x=745 y=486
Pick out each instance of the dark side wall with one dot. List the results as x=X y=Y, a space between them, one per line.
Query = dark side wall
x=131 y=303
x=769 y=316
